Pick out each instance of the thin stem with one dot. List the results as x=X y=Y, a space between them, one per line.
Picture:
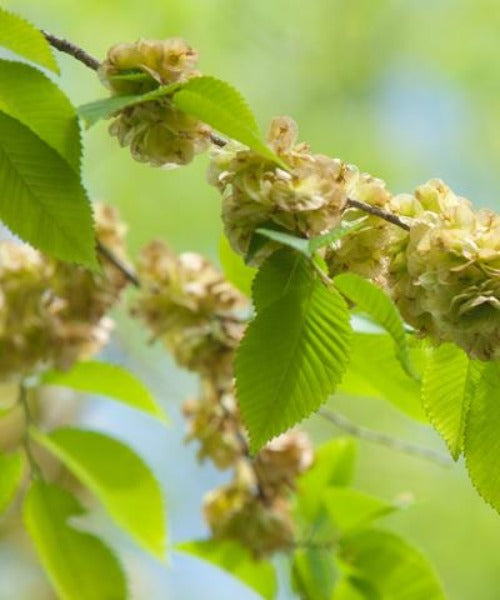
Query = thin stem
x=35 y=470
x=69 y=48
x=385 y=440
x=116 y=262
x=378 y=212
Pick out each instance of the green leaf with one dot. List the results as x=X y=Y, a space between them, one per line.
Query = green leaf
x=41 y=197
x=78 y=564
x=394 y=568
x=93 y=112
x=221 y=106
x=234 y=268
x=11 y=475
x=481 y=439
x=29 y=96
x=119 y=479
x=19 y=36
x=314 y=573
x=292 y=241
x=375 y=302
x=293 y=354
x=375 y=372
x=336 y=234
x=333 y=466
x=236 y=560
x=350 y=509
x=107 y=380
x=447 y=388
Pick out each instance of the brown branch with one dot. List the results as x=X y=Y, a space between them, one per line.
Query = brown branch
x=378 y=212
x=382 y=438
x=116 y=262
x=69 y=48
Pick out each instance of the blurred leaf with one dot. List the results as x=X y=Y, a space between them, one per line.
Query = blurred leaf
x=236 y=560
x=481 y=439
x=336 y=234
x=375 y=372
x=314 y=573
x=29 y=96
x=391 y=566
x=346 y=590
x=292 y=355
x=41 y=197
x=221 y=106
x=19 y=36
x=447 y=388
x=234 y=268
x=107 y=380
x=78 y=564
x=12 y=467
x=119 y=479
x=375 y=302
x=292 y=241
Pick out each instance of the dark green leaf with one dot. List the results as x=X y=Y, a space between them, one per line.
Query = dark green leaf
x=19 y=36
x=41 y=197
x=292 y=241
x=78 y=564
x=11 y=475
x=118 y=477
x=236 y=560
x=235 y=270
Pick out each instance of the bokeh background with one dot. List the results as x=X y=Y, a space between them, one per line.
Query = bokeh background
x=405 y=89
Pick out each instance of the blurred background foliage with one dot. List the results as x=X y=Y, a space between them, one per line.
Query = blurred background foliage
x=405 y=89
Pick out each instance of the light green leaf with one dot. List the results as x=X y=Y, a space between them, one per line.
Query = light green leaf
x=292 y=241
x=107 y=380
x=234 y=267
x=350 y=509
x=41 y=197
x=336 y=234
x=78 y=564
x=12 y=467
x=481 y=439
x=375 y=302
x=29 y=96
x=447 y=388
x=221 y=106
x=292 y=356
x=236 y=560
x=314 y=573
x=375 y=372
x=93 y=112
x=391 y=566
x=333 y=466
x=119 y=479
x=19 y=36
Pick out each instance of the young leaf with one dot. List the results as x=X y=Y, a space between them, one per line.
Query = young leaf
x=374 y=301
x=107 y=380
x=447 y=388
x=41 y=197
x=235 y=270
x=336 y=234
x=93 y=112
x=221 y=106
x=314 y=573
x=236 y=560
x=292 y=241
x=78 y=564
x=391 y=566
x=29 y=96
x=292 y=356
x=481 y=439
x=11 y=475
x=19 y=36
x=119 y=479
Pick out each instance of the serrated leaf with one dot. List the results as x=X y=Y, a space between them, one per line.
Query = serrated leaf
x=41 y=197
x=292 y=356
x=221 y=106
x=19 y=36
x=335 y=234
x=93 y=112
x=447 y=388
x=12 y=467
x=375 y=372
x=375 y=302
x=481 y=439
x=109 y=380
x=286 y=239
x=78 y=564
x=314 y=573
x=118 y=478
x=395 y=570
x=29 y=96
x=236 y=560
x=234 y=268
